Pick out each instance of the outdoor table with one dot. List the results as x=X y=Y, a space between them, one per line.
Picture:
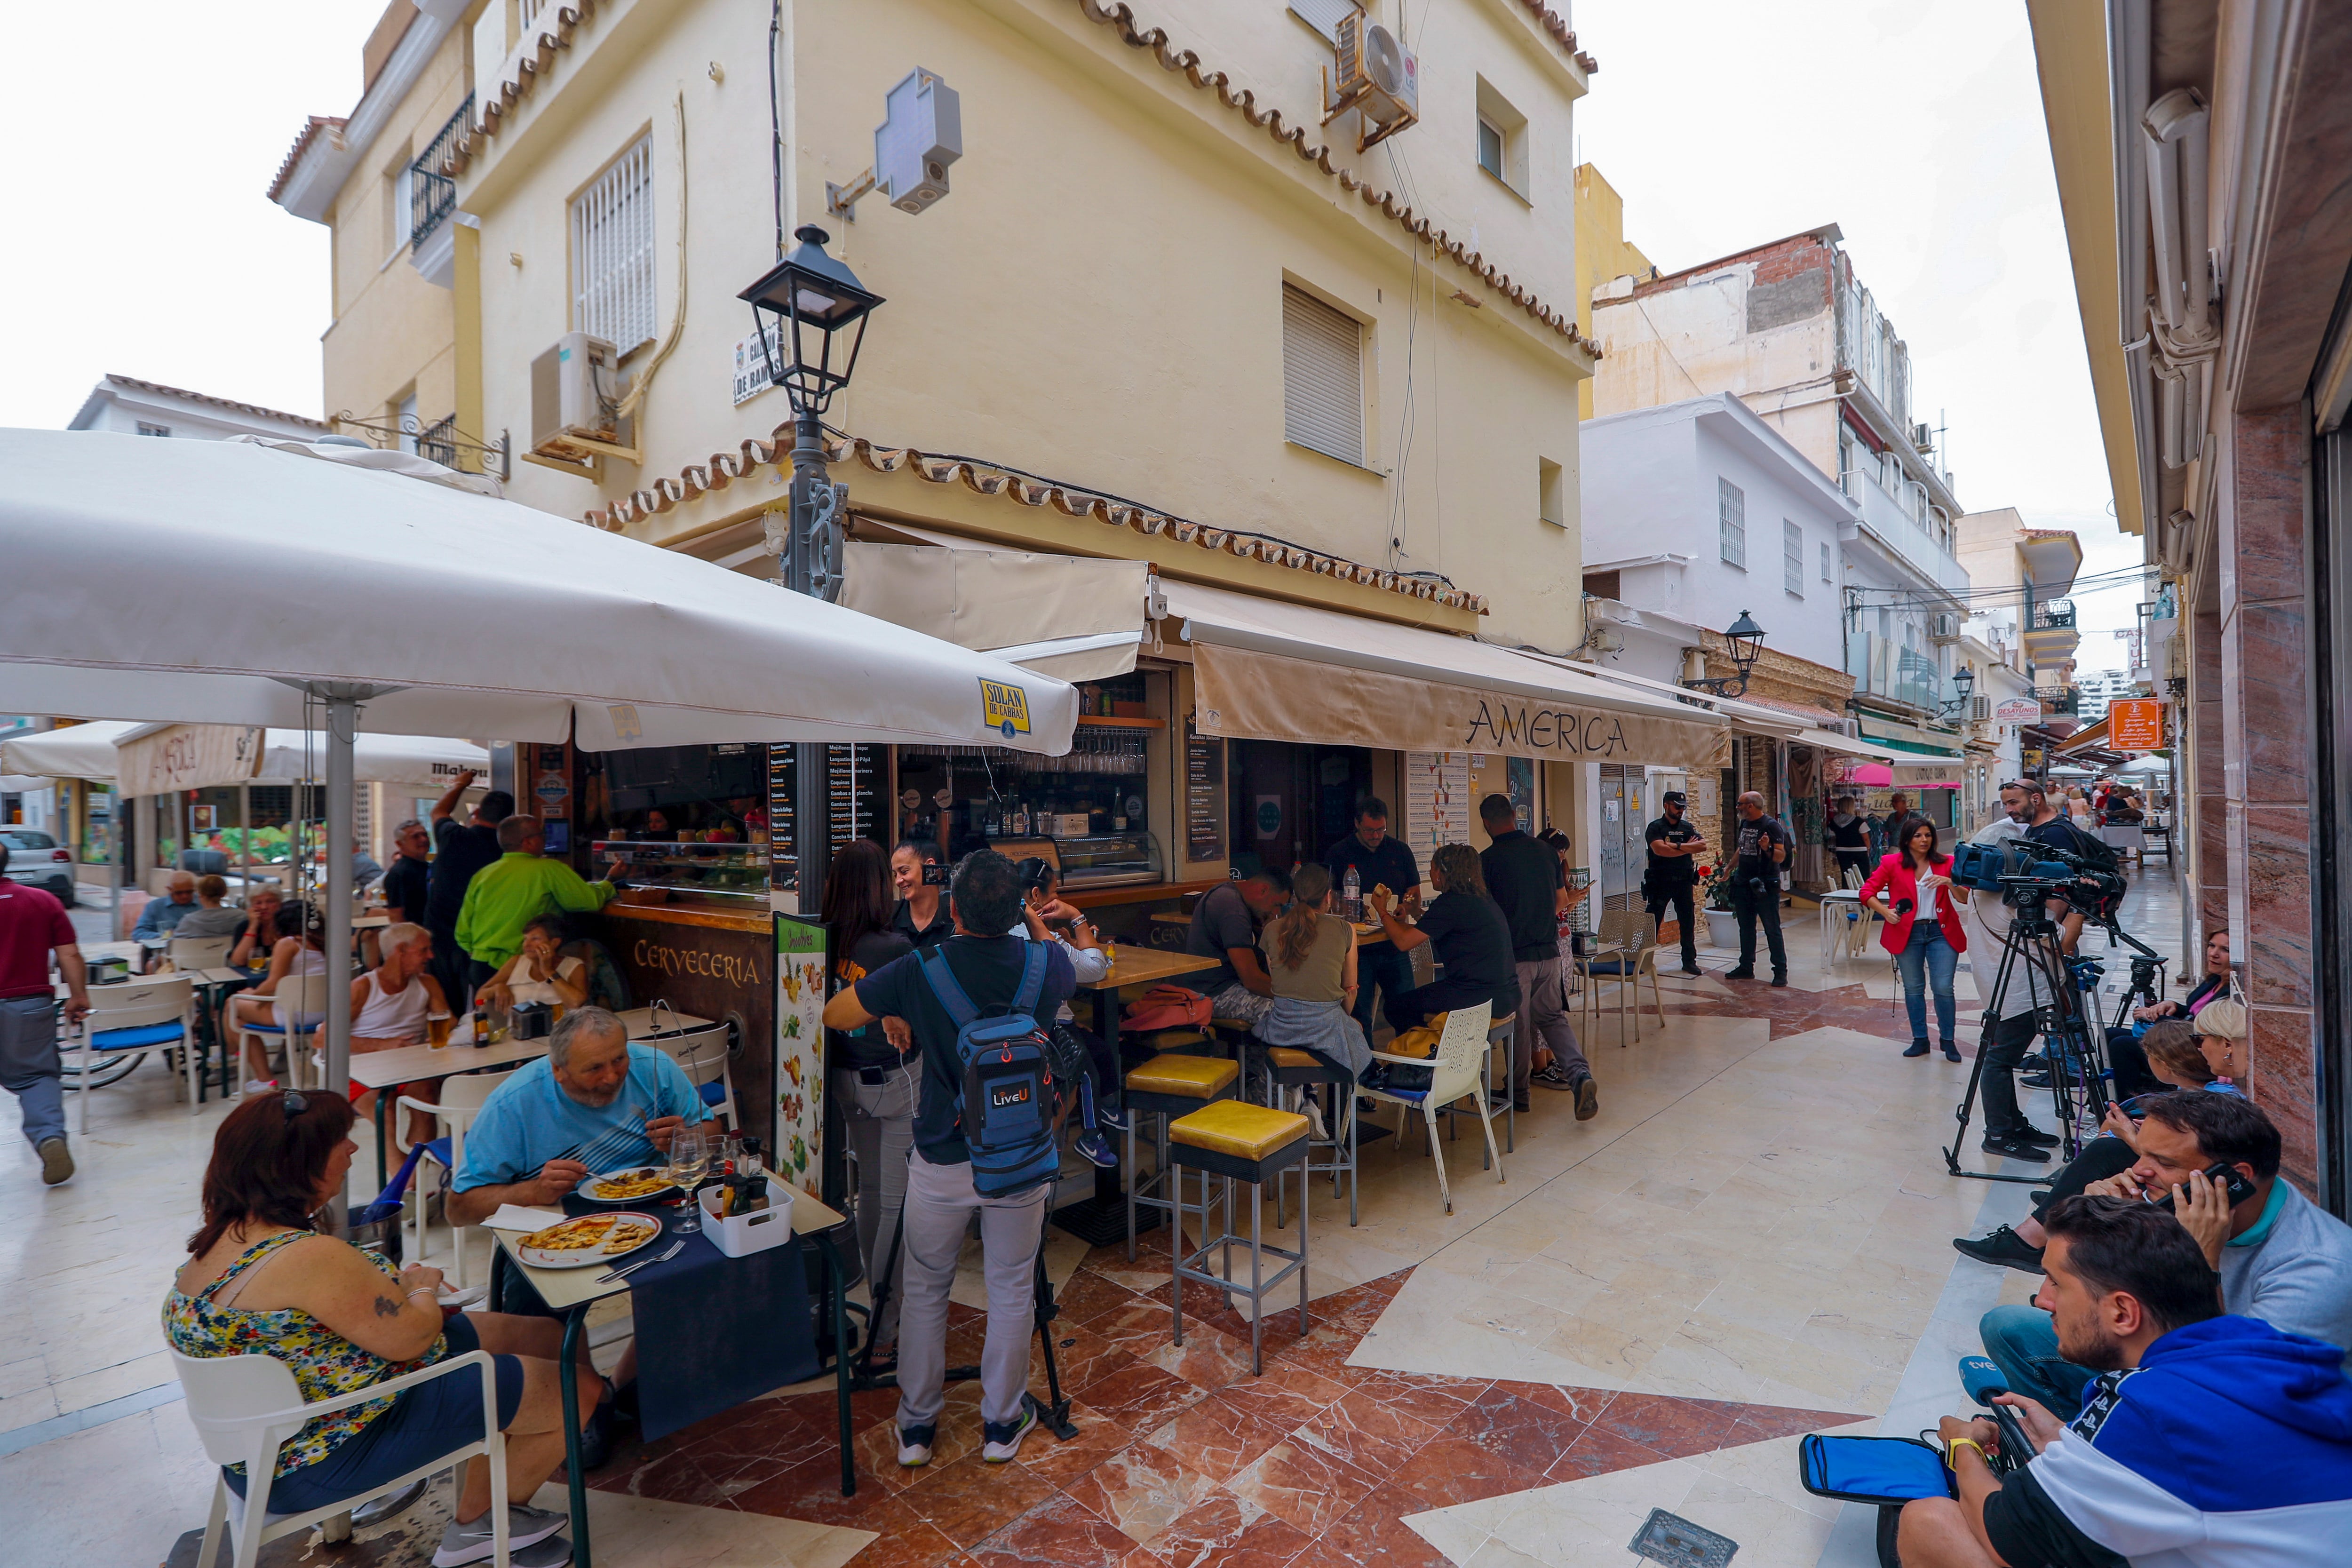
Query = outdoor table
x=1103 y=1218
x=568 y=1294
x=386 y=1071
x=211 y=983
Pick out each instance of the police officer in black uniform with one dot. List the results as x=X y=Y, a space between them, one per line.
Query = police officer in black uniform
x=1673 y=874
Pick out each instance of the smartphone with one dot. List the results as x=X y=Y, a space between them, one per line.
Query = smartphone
x=934 y=874
x=2240 y=1188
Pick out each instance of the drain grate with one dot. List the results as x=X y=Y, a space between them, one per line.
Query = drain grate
x=1678 y=1543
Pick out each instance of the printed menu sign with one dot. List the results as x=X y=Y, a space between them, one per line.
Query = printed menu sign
x=783 y=866
x=1436 y=800
x=853 y=779
x=799 y=1153
x=1204 y=794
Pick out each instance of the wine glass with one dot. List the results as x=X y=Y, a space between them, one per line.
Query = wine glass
x=690 y=1157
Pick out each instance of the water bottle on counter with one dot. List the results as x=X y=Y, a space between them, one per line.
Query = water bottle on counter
x=1352 y=891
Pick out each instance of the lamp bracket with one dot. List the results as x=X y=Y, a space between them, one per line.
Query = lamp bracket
x=841 y=201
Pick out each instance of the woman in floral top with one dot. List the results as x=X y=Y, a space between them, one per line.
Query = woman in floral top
x=260 y=1281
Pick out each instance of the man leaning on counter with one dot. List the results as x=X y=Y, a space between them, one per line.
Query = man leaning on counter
x=520 y=885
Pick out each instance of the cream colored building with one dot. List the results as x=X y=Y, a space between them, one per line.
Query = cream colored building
x=1603 y=253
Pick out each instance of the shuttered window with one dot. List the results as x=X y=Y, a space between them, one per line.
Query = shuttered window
x=1731 y=511
x=1793 y=558
x=1323 y=15
x=1322 y=377
x=613 y=252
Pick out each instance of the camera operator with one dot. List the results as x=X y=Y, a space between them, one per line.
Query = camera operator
x=2206 y=1441
x=918 y=875
x=1762 y=843
x=2007 y=1132
x=2281 y=1257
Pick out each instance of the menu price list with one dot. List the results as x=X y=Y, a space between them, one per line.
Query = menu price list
x=854 y=786
x=1436 y=800
x=1204 y=793
x=784 y=864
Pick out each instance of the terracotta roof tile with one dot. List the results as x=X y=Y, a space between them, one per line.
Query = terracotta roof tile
x=1555 y=24
x=330 y=125
x=725 y=468
x=230 y=404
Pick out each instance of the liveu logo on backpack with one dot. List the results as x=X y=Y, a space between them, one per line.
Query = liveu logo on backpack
x=1009 y=1099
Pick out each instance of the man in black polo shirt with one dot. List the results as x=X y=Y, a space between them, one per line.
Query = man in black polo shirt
x=921 y=916
x=1378 y=861
x=1671 y=879
x=940 y=1198
x=1526 y=877
x=459 y=849
x=1761 y=842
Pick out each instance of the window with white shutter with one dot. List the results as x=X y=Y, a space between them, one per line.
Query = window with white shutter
x=1731 y=512
x=613 y=252
x=1825 y=565
x=1793 y=558
x=1322 y=377
x=1323 y=15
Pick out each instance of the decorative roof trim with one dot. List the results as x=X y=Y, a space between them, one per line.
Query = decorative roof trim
x=205 y=397
x=332 y=124
x=497 y=106
x=724 y=468
x=1119 y=17
x=1552 y=22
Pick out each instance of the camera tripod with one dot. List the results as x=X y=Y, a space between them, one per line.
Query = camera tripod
x=2078 y=1081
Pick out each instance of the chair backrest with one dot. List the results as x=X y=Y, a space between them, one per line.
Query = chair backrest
x=702 y=1053
x=467 y=1092
x=1453 y=1072
x=160 y=999
x=302 y=996
x=190 y=953
x=228 y=1398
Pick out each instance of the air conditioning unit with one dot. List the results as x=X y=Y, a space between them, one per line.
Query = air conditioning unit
x=1602 y=638
x=1943 y=628
x=1924 y=437
x=576 y=388
x=1979 y=709
x=1373 y=73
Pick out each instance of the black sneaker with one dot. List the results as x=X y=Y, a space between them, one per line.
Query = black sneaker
x=1693 y=968
x=2036 y=1080
x=2012 y=1149
x=1588 y=1099
x=1551 y=1075
x=1917 y=1049
x=1742 y=972
x=2033 y=1134
x=1781 y=980
x=2003 y=1249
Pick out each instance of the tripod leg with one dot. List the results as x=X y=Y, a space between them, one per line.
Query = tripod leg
x=1056 y=1413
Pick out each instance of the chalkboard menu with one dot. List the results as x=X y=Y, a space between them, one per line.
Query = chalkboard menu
x=854 y=771
x=783 y=866
x=1204 y=797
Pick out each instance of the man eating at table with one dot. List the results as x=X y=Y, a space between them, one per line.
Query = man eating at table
x=595 y=1102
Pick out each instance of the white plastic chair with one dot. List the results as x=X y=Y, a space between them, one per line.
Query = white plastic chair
x=191 y=954
x=461 y=1100
x=136 y=1017
x=1458 y=1069
x=245 y=1407
x=702 y=1054
x=297 y=996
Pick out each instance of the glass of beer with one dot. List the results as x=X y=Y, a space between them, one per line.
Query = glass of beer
x=436 y=1030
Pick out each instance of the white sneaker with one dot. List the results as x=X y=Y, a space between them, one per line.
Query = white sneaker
x=260 y=1085
x=1315 y=1122
x=526 y=1526
x=915 y=1445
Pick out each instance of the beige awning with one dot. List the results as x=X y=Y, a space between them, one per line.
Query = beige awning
x=1831 y=741
x=1268 y=670
x=1074 y=617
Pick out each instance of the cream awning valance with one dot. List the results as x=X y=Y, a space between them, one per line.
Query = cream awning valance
x=1075 y=618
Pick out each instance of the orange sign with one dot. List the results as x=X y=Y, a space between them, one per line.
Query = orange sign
x=2136 y=724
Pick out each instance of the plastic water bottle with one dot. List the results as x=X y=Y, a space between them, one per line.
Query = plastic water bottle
x=1352 y=890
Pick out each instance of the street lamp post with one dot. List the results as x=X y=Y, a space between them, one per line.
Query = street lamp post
x=1964 y=684
x=810 y=312
x=1747 y=644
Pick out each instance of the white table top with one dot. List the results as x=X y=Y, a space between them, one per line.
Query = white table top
x=562 y=1287
x=418 y=1064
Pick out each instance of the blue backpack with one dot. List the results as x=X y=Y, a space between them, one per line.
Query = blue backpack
x=1009 y=1102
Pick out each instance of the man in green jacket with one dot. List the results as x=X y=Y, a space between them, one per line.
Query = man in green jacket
x=516 y=889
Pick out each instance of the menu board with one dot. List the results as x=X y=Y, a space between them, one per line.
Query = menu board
x=1204 y=797
x=1436 y=800
x=798 y=1156
x=783 y=866
x=854 y=781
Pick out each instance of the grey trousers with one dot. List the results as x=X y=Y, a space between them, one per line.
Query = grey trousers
x=1543 y=1011
x=939 y=1199
x=879 y=1119
x=30 y=1068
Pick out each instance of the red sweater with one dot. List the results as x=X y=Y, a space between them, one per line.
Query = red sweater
x=1895 y=880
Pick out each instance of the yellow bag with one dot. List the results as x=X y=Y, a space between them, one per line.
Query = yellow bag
x=1422 y=1043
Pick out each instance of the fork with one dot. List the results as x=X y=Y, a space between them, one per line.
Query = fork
x=581 y=1152
x=622 y=1272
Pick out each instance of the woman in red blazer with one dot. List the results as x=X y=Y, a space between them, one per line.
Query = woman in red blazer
x=1917 y=878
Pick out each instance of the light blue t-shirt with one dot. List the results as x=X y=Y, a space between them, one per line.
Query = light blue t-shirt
x=530 y=1120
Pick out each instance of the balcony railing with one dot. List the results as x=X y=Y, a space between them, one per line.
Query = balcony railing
x=2056 y=615
x=1894 y=526
x=2066 y=699
x=438 y=442
x=1884 y=668
x=432 y=194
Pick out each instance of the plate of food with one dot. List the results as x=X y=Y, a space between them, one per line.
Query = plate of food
x=589 y=1238
x=632 y=1184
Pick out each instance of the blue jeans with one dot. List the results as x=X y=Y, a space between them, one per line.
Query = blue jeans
x=2023 y=1342
x=1381 y=966
x=1928 y=957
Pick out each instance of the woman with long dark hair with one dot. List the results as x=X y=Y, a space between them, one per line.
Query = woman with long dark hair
x=873 y=1072
x=297 y=951
x=1916 y=877
x=1470 y=936
x=1310 y=957
x=260 y=1279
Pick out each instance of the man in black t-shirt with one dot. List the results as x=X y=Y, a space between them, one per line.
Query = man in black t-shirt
x=1378 y=861
x=407 y=881
x=985 y=900
x=1761 y=847
x=459 y=850
x=1526 y=878
x=1670 y=880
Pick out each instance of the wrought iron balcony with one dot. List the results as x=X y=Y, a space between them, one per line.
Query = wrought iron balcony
x=2066 y=699
x=2054 y=615
x=432 y=194
x=438 y=442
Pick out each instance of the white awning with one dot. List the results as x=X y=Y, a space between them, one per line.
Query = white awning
x=1074 y=617
x=1831 y=741
x=1266 y=670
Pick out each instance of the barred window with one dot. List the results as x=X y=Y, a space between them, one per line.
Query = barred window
x=1731 y=511
x=613 y=252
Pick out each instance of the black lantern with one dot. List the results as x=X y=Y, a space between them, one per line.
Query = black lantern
x=803 y=306
x=1747 y=644
x=1964 y=683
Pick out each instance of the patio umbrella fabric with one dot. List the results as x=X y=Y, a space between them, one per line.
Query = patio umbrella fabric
x=87 y=752
x=213 y=580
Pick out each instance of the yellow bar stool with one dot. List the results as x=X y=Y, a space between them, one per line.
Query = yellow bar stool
x=1238 y=1141
x=1288 y=1068
x=1168 y=1087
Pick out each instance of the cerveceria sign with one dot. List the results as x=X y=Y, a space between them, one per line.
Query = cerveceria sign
x=729 y=967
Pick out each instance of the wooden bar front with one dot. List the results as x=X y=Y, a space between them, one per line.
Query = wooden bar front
x=713 y=963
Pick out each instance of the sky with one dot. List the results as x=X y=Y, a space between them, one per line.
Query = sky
x=1918 y=130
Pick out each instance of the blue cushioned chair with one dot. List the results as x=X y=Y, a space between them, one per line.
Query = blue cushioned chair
x=126 y=1022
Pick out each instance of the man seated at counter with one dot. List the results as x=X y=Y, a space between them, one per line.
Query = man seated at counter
x=594 y=1092
x=1225 y=926
x=1378 y=861
x=916 y=873
x=506 y=895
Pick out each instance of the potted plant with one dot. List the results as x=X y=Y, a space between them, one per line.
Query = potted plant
x=1722 y=924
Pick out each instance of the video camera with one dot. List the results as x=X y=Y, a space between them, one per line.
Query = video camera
x=2027 y=873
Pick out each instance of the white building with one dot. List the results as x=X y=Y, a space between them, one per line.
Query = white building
x=133 y=407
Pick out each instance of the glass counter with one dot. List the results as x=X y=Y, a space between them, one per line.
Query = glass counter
x=1107 y=859
x=728 y=874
